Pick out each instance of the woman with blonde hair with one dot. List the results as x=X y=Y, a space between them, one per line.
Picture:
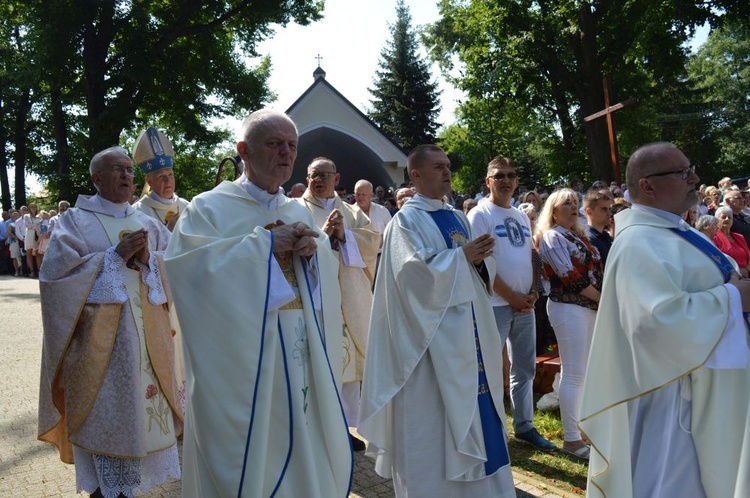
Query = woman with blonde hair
x=574 y=269
x=532 y=198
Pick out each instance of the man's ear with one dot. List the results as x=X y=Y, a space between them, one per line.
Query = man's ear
x=646 y=188
x=242 y=148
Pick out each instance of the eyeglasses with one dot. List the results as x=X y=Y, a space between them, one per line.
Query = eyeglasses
x=119 y=170
x=684 y=173
x=503 y=176
x=321 y=175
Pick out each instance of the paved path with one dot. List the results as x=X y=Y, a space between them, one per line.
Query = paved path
x=31 y=469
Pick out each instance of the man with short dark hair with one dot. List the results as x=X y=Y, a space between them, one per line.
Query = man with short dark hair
x=667 y=388
x=432 y=406
x=597 y=205
x=515 y=292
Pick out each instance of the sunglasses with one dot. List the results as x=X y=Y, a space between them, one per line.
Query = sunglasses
x=503 y=176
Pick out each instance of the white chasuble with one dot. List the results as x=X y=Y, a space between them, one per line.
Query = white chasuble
x=420 y=406
x=663 y=315
x=263 y=415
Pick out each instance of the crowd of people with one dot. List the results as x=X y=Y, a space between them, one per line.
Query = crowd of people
x=264 y=325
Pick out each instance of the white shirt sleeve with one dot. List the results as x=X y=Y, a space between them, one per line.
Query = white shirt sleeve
x=350 y=251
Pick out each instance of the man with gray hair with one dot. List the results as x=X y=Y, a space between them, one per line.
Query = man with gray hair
x=379 y=215
x=108 y=397
x=402 y=195
x=667 y=389
x=257 y=296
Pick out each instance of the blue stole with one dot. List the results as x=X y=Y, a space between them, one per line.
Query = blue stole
x=455 y=235
x=714 y=254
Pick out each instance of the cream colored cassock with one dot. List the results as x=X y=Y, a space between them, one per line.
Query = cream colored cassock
x=665 y=400
x=249 y=363
x=356 y=281
x=154 y=206
x=419 y=408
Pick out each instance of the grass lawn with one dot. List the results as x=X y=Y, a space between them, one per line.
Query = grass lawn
x=555 y=468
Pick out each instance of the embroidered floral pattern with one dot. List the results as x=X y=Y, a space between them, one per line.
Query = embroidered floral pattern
x=301 y=353
x=151 y=391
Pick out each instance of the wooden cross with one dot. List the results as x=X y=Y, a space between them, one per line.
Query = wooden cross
x=319 y=57
x=607 y=111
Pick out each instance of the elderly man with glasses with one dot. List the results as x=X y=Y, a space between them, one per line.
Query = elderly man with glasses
x=356 y=242
x=108 y=395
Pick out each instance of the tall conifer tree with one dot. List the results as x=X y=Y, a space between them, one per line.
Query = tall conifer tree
x=405 y=103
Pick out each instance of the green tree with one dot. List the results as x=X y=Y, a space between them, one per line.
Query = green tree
x=406 y=100
x=720 y=71
x=550 y=57
x=116 y=65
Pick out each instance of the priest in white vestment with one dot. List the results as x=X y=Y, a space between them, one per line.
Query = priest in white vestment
x=432 y=396
x=356 y=244
x=153 y=153
x=258 y=300
x=108 y=396
x=665 y=399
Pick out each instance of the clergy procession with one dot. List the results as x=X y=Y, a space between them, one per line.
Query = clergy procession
x=278 y=334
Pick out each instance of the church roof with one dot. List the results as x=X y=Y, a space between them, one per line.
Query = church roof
x=319 y=75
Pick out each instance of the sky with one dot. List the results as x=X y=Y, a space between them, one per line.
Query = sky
x=349 y=39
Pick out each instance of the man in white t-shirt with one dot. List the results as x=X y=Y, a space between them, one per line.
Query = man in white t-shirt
x=513 y=303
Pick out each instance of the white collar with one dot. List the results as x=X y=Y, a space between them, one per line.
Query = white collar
x=671 y=217
x=266 y=200
x=161 y=199
x=114 y=209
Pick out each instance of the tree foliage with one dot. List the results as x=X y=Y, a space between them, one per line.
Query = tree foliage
x=102 y=67
x=720 y=72
x=406 y=100
x=548 y=58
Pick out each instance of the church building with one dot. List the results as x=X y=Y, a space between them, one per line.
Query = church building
x=331 y=126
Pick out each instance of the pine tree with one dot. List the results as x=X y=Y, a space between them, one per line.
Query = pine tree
x=405 y=104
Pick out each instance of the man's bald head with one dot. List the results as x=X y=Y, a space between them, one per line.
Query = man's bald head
x=363 y=185
x=645 y=161
x=661 y=176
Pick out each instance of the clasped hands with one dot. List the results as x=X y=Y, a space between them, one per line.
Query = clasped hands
x=134 y=245
x=296 y=237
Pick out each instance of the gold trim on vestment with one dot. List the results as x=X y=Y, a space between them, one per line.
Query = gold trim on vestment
x=57 y=434
x=640 y=395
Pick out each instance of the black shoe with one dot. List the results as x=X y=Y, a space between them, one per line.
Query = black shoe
x=357 y=444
